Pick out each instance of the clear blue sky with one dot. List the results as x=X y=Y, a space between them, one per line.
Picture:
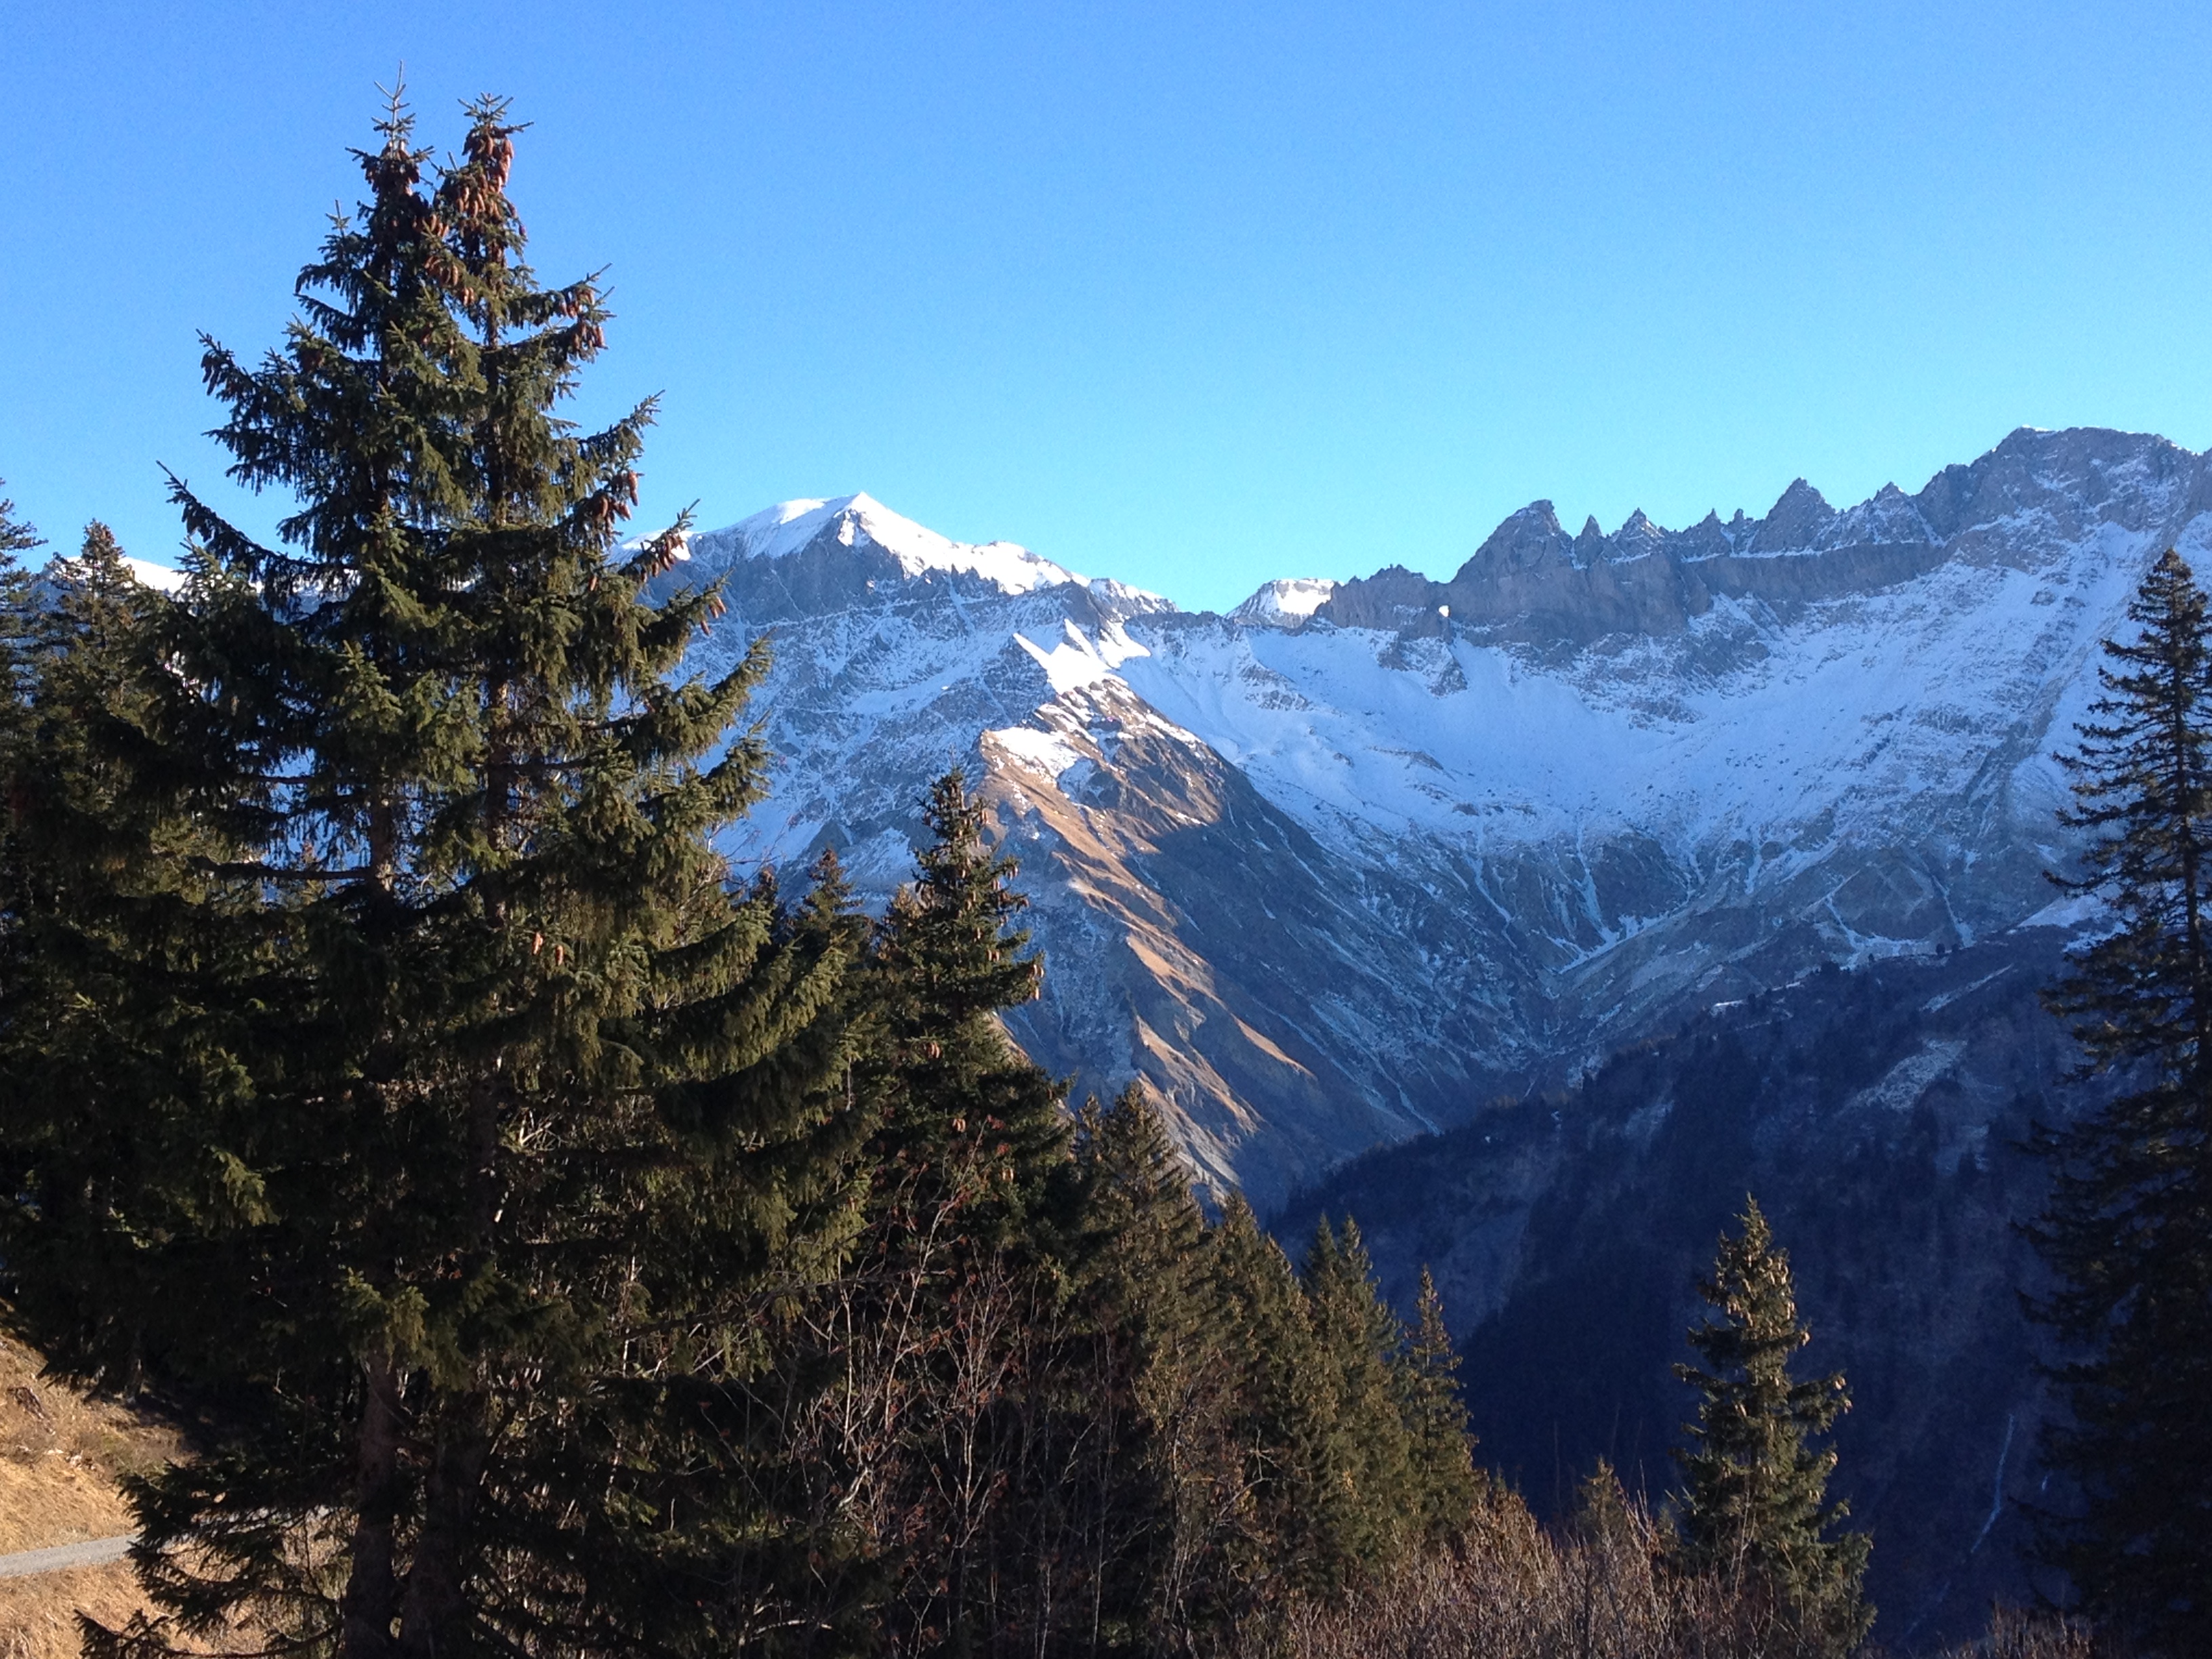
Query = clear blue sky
x=1190 y=294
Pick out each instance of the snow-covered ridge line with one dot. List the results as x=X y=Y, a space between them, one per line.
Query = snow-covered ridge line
x=1684 y=720
x=792 y=527
x=1642 y=578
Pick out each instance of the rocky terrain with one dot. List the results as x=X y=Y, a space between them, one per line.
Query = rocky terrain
x=1340 y=867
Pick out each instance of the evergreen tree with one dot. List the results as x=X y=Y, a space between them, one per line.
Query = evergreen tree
x=1604 y=1518
x=111 y=959
x=2142 y=786
x=1280 y=1415
x=1754 y=1501
x=959 y=1098
x=1151 y=1388
x=2128 y=1226
x=15 y=536
x=1342 y=1442
x=942 y=1459
x=1363 y=1502
x=373 y=917
x=1443 y=1484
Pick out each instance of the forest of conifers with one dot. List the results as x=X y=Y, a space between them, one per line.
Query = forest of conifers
x=555 y=1244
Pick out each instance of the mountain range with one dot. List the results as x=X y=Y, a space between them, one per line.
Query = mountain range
x=1534 y=915
x=1343 y=865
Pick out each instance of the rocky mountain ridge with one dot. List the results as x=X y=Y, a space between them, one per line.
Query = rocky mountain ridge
x=1341 y=866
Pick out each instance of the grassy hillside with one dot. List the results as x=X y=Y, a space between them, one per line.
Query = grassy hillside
x=61 y=1455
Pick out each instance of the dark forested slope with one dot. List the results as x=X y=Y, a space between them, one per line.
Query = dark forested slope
x=1877 y=1113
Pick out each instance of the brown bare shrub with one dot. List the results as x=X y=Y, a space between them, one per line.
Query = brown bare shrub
x=1602 y=1589
x=2016 y=1635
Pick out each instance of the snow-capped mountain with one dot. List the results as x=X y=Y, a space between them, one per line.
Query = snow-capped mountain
x=1345 y=862
x=861 y=521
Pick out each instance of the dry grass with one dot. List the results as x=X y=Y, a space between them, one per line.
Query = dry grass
x=61 y=1455
x=38 y=1616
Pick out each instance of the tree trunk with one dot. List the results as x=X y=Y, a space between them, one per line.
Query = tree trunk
x=366 y=1610
x=436 y=1613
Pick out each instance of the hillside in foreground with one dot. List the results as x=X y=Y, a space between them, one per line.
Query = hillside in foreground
x=61 y=1455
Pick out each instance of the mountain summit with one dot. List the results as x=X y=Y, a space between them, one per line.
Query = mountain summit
x=863 y=522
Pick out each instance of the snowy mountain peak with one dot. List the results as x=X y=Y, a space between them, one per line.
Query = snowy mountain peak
x=1360 y=853
x=1289 y=602
x=1530 y=582
x=1795 y=520
x=1637 y=537
x=861 y=521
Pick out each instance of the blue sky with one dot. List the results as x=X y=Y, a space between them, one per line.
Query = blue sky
x=1190 y=294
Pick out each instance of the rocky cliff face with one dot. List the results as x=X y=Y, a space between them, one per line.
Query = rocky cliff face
x=1348 y=862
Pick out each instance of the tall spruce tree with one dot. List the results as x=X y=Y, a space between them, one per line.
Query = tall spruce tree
x=959 y=1098
x=1150 y=1387
x=16 y=536
x=2128 y=1226
x=1364 y=1504
x=109 y=1082
x=1754 y=1501
x=374 y=920
x=1272 y=1540
x=939 y=1461
x=1444 y=1484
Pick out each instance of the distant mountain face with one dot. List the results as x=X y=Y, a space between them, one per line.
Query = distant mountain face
x=1338 y=867
x=1881 y=1115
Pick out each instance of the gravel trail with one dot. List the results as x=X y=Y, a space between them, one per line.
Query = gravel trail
x=93 y=1552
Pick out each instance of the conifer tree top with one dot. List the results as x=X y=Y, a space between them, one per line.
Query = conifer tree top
x=2127 y=1224
x=15 y=536
x=1756 y=1480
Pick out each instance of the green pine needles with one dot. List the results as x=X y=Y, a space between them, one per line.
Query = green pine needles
x=1754 y=1501
x=959 y=1102
x=2128 y=1228
x=16 y=535
x=391 y=1067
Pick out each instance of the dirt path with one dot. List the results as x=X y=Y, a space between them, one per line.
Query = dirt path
x=93 y=1552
